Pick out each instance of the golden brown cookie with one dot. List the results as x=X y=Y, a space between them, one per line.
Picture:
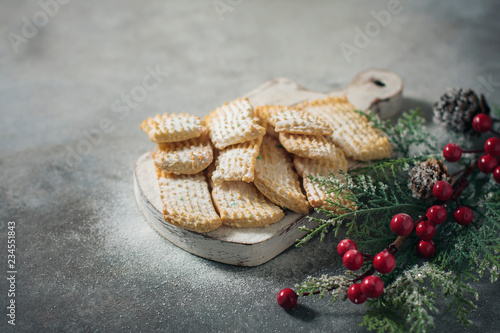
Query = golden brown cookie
x=310 y=146
x=185 y=157
x=239 y=204
x=237 y=162
x=297 y=121
x=186 y=202
x=351 y=131
x=233 y=123
x=172 y=128
x=276 y=179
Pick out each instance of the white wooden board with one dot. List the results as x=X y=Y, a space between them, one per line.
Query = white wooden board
x=376 y=89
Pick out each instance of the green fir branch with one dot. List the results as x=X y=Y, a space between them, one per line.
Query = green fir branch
x=408 y=300
x=474 y=249
x=376 y=199
x=378 y=191
x=383 y=319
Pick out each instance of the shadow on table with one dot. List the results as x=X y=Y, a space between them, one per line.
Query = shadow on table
x=302 y=312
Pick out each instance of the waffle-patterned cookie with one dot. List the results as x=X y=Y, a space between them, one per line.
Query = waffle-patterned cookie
x=237 y=162
x=351 y=131
x=233 y=123
x=296 y=121
x=239 y=204
x=276 y=179
x=185 y=157
x=317 y=194
x=186 y=202
x=172 y=128
x=310 y=146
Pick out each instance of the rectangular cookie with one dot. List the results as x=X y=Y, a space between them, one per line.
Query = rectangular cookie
x=297 y=121
x=172 y=128
x=241 y=205
x=351 y=131
x=237 y=162
x=233 y=123
x=310 y=146
x=186 y=202
x=276 y=179
x=184 y=157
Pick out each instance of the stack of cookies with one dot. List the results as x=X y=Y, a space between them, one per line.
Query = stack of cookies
x=241 y=167
x=182 y=153
x=237 y=137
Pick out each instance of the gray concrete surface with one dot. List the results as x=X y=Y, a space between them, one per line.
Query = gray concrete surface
x=74 y=87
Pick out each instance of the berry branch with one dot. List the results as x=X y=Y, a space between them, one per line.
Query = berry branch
x=377 y=192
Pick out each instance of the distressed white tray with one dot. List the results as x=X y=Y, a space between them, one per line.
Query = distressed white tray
x=376 y=89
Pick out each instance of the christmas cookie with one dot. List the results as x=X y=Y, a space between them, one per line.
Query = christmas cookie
x=237 y=162
x=185 y=157
x=310 y=146
x=276 y=179
x=172 y=128
x=186 y=202
x=233 y=123
x=241 y=205
x=351 y=131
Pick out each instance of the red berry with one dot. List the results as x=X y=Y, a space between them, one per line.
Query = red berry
x=346 y=245
x=425 y=249
x=492 y=146
x=452 y=152
x=442 y=190
x=353 y=260
x=436 y=214
x=384 y=262
x=287 y=298
x=482 y=123
x=487 y=163
x=496 y=174
x=372 y=286
x=402 y=224
x=355 y=294
x=463 y=215
x=425 y=230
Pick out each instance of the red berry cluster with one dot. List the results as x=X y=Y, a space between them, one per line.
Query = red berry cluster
x=402 y=225
x=488 y=163
x=425 y=227
x=371 y=286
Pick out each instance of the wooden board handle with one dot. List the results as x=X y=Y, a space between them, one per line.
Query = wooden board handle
x=375 y=89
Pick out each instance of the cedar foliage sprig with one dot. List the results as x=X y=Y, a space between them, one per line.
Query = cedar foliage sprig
x=379 y=191
x=335 y=285
x=415 y=303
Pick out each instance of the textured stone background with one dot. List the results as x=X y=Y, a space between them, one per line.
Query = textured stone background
x=87 y=259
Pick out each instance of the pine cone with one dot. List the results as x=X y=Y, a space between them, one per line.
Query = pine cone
x=456 y=109
x=423 y=176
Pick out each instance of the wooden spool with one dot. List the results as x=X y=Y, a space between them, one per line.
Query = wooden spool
x=378 y=90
